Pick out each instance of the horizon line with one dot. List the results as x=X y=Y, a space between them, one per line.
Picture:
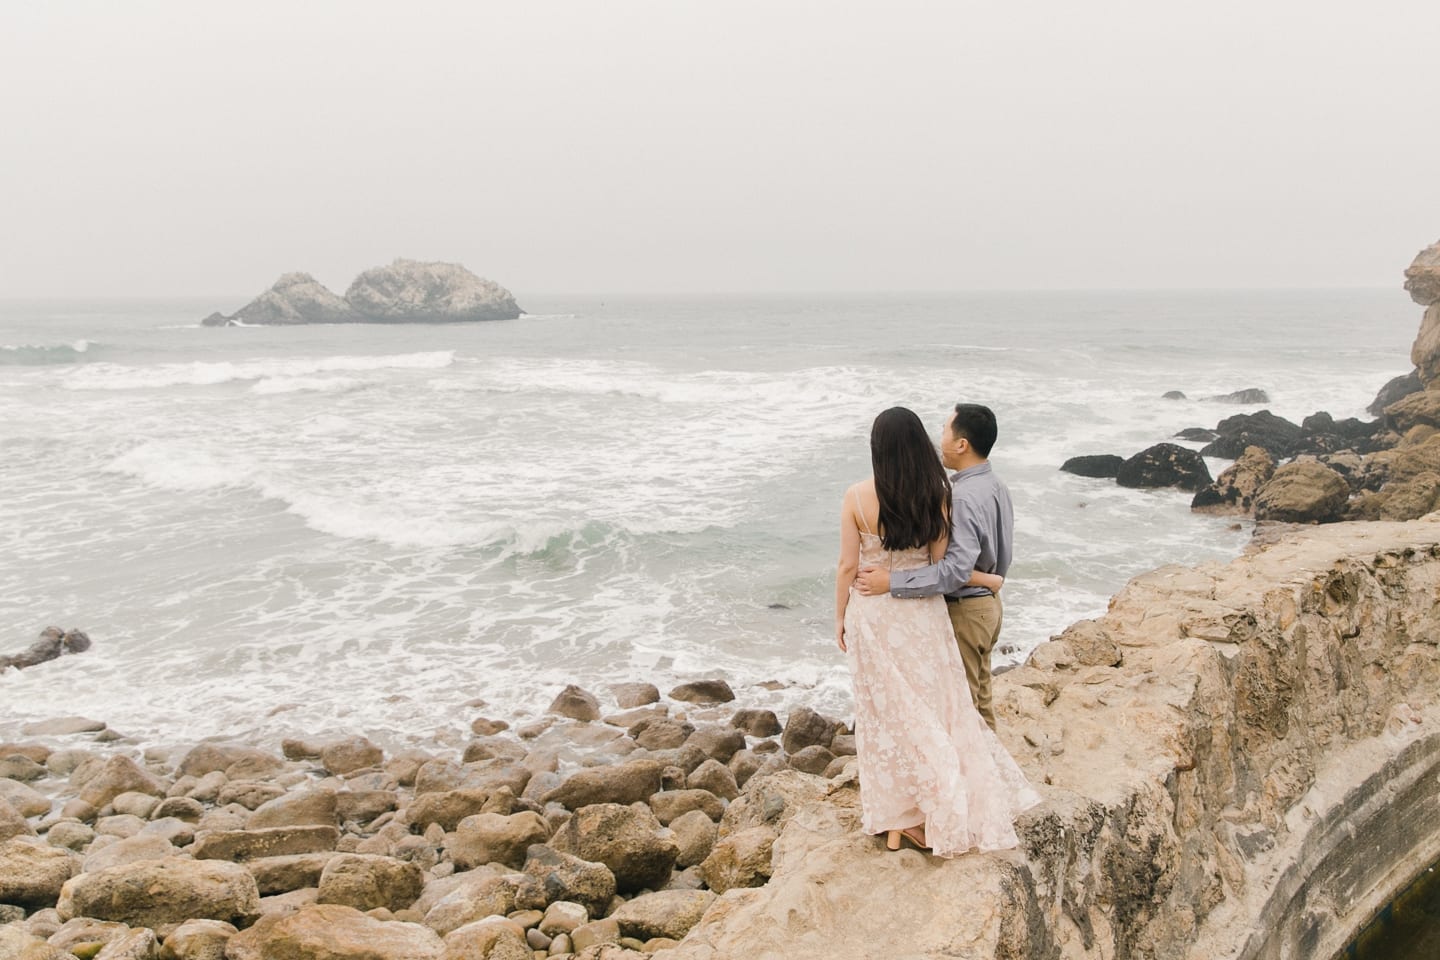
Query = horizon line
x=771 y=292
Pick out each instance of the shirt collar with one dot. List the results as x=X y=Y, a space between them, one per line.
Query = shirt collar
x=974 y=471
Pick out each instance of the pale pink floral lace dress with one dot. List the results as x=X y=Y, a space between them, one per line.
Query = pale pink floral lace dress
x=925 y=753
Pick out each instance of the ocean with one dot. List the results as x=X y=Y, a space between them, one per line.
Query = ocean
x=390 y=530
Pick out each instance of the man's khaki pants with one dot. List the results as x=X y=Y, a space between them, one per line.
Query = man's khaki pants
x=976 y=621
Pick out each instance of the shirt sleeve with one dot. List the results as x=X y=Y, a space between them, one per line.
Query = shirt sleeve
x=954 y=569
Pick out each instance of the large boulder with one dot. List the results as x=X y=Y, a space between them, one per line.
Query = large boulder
x=1101 y=466
x=804 y=728
x=493 y=938
x=568 y=878
x=1164 y=465
x=445 y=807
x=239 y=845
x=295 y=809
x=1422 y=277
x=32 y=873
x=492 y=838
x=350 y=754
x=121 y=775
x=1406 y=499
x=703 y=691
x=1263 y=429
x=1421 y=408
x=24 y=800
x=627 y=839
x=621 y=783
x=576 y=703
x=667 y=913
x=1397 y=388
x=486 y=895
x=1233 y=493
x=368 y=881
x=1303 y=492
x=740 y=859
x=411 y=291
x=198 y=940
x=157 y=893
x=12 y=824
x=332 y=931
x=237 y=761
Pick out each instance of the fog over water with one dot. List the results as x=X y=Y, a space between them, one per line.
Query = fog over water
x=165 y=148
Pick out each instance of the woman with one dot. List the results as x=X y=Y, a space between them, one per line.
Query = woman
x=930 y=769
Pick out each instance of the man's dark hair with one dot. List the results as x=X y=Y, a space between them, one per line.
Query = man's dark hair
x=976 y=423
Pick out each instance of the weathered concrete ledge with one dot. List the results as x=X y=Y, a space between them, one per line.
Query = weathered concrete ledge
x=1238 y=761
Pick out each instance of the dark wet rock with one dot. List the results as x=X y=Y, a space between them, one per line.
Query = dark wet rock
x=1164 y=465
x=1102 y=465
x=1172 y=395
x=1197 y=434
x=1396 y=389
x=53 y=643
x=1263 y=429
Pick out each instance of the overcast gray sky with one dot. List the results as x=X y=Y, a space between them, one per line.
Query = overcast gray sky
x=183 y=148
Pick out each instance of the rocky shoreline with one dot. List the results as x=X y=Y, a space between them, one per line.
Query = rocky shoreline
x=591 y=832
x=1321 y=470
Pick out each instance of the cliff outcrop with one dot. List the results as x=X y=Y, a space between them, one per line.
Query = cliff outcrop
x=406 y=291
x=1237 y=761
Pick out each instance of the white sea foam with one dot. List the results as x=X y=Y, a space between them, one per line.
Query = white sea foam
x=276 y=385
x=607 y=500
x=106 y=376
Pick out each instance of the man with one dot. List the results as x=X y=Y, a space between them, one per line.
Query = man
x=982 y=534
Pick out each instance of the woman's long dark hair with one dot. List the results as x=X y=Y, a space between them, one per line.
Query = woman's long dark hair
x=910 y=482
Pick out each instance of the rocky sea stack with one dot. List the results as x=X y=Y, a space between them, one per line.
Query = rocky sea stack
x=407 y=291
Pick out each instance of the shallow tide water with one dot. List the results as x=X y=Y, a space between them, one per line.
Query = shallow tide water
x=279 y=531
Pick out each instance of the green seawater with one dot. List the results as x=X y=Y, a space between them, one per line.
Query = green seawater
x=1408 y=928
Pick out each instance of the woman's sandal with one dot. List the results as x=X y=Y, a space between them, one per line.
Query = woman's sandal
x=892 y=839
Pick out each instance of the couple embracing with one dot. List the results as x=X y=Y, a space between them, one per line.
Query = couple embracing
x=922 y=559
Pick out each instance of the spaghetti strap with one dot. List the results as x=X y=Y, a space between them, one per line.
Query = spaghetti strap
x=860 y=511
